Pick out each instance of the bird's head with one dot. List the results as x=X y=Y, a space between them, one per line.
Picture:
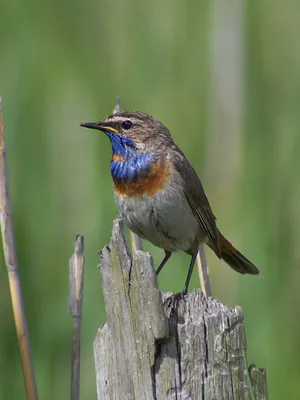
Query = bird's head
x=132 y=130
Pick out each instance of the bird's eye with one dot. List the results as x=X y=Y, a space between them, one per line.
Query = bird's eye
x=127 y=124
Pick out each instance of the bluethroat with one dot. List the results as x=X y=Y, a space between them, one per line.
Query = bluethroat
x=159 y=194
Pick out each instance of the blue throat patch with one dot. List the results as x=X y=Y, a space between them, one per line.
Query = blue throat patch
x=127 y=164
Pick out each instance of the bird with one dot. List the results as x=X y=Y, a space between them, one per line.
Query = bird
x=159 y=194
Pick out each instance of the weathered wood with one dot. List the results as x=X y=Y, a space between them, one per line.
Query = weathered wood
x=156 y=348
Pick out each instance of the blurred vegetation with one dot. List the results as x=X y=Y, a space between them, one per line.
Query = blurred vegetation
x=62 y=63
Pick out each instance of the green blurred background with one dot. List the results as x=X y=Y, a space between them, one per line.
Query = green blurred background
x=224 y=77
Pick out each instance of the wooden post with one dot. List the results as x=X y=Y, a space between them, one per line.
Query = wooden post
x=151 y=349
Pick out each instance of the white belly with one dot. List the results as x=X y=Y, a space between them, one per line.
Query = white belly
x=165 y=219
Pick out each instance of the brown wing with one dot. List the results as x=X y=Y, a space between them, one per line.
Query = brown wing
x=198 y=201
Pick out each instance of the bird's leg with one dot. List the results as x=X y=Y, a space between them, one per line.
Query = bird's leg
x=174 y=300
x=167 y=256
x=191 y=267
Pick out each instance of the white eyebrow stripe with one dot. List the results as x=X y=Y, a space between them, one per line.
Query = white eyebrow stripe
x=120 y=119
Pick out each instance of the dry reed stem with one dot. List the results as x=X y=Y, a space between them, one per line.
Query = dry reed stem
x=76 y=265
x=11 y=260
x=203 y=272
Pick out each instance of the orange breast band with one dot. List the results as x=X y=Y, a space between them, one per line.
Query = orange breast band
x=149 y=185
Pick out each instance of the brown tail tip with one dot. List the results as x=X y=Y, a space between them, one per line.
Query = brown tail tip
x=235 y=259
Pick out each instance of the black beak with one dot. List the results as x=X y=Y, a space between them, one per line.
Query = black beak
x=92 y=125
x=100 y=126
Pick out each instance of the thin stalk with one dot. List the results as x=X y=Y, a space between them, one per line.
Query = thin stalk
x=76 y=265
x=203 y=273
x=11 y=260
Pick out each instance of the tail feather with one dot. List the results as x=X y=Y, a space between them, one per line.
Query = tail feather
x=235 y=259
